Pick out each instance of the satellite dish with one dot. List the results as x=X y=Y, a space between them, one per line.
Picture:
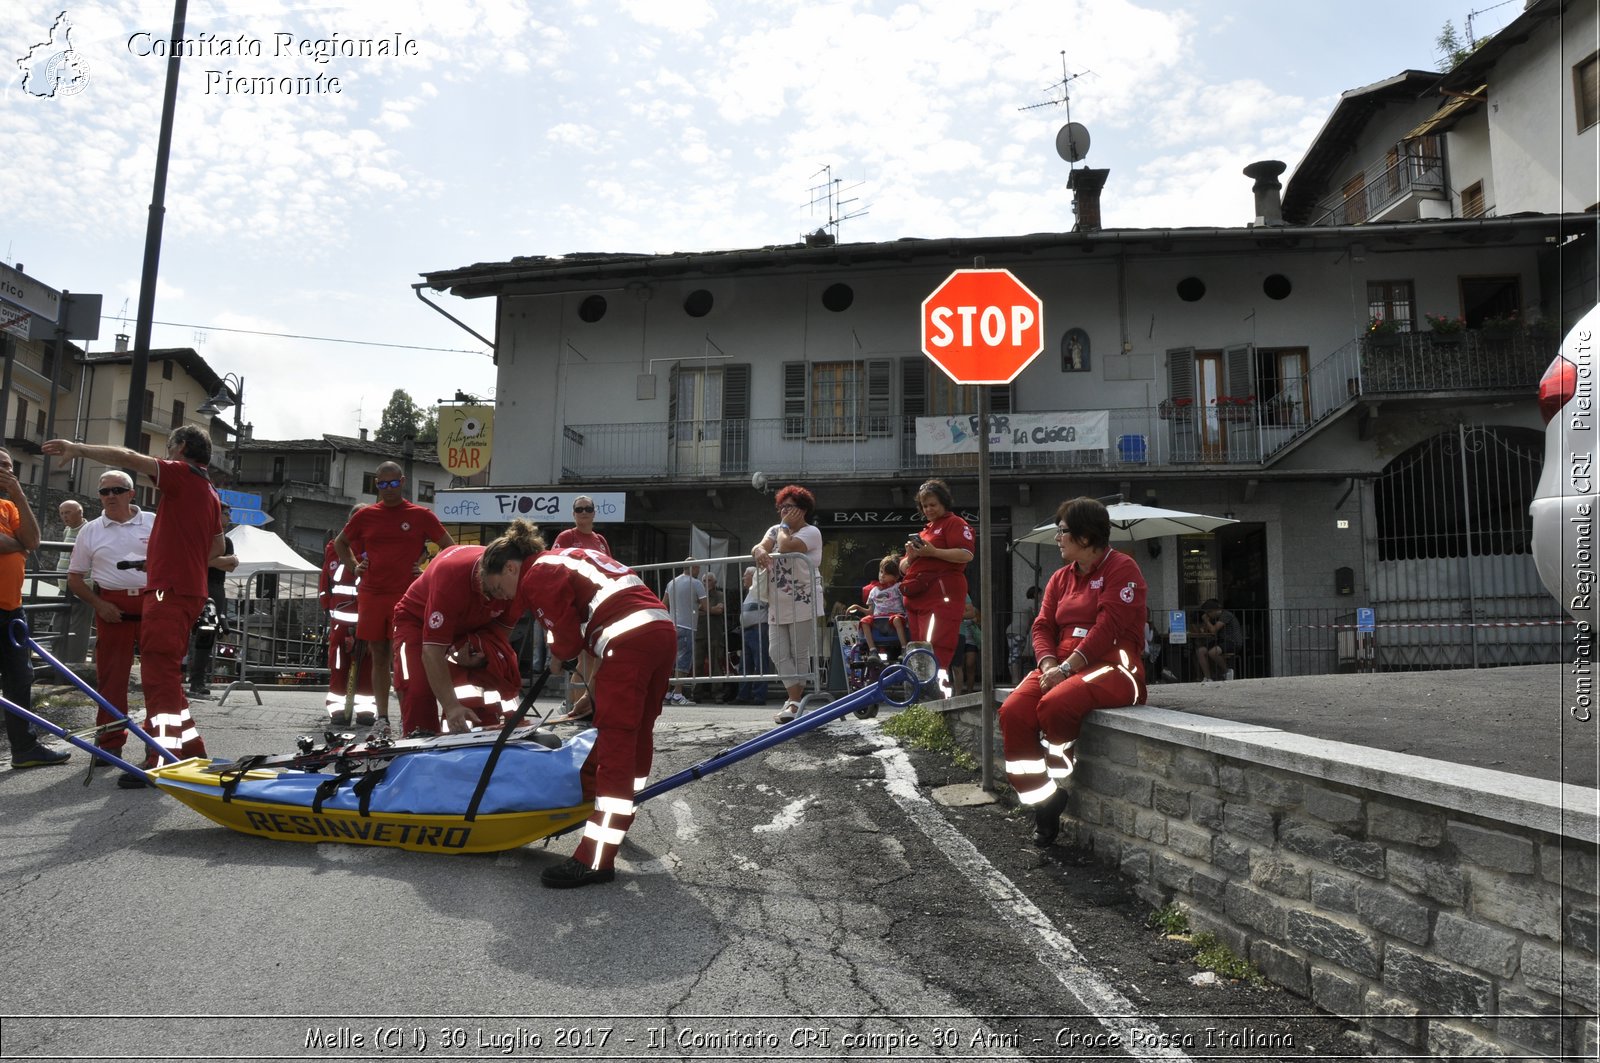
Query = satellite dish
x=759 y=481
x=1072 y=141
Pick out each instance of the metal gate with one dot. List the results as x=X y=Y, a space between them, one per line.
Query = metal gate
x=1452 y=575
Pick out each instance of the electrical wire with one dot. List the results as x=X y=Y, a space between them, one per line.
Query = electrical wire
x=295 y=336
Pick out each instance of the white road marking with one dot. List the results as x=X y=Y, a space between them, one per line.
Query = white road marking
x=791 y=815
x=1052 y=948
x=687 y=829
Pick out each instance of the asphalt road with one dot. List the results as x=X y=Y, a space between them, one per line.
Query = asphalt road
x=831 y=898
x=1517 y=720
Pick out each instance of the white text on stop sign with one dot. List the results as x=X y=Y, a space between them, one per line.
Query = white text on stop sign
x=992 y=325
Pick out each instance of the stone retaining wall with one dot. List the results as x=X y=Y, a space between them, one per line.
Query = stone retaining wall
x=1442 y=908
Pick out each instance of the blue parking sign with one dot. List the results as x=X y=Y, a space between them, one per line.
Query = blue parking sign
x=1177 y=627
x=1366 y=620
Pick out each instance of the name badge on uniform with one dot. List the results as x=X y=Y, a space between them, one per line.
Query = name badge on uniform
x=1080 y=632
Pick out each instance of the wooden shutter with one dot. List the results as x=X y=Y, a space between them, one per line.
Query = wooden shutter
x=1180 y=373
x=735 y=417
x=913 y=404
x=672 y=405
x=880 y=397
x=1241 y=381
x=794 y=400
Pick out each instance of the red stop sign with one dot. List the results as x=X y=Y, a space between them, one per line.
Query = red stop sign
x=982 y=326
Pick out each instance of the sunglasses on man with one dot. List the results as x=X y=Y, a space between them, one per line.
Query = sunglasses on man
x=387 y=483
x=104 y=491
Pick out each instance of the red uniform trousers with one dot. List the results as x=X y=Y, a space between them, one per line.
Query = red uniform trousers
x=163 y=640
x=483 y=690
x=940 y=608
x=113 y=660
x=341 y=652
x=375 y=615
x=1038 y=729
x=627 y=688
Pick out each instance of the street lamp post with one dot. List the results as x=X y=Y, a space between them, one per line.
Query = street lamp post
x=230 y=392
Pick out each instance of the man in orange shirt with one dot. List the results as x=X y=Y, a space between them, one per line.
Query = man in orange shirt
x=384 y=545
x=19 y=533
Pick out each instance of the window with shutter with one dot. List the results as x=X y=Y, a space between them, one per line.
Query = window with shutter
x=880 y=398
x=1180 y=375
x=735 y=455
x=794 y=400
x=1241 y=378
x=1472 y=200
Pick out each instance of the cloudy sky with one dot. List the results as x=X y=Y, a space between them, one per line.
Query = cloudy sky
x=296 y=224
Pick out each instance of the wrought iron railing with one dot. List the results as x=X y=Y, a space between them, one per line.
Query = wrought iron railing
x=1384 y=183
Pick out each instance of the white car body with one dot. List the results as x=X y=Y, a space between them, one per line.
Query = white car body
x=1566 y=507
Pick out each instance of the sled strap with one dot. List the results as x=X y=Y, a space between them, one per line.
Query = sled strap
x=329 y=788
x=364 y=787
x=500 y=743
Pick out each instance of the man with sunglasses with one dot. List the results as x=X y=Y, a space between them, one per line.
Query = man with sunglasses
x=185 y=536
x=384 y=545
x=110 y=551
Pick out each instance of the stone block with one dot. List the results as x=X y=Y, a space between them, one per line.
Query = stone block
x=1273 y=788
x=1118 y=815
x=1150 y=826
x=1230 y=780
x=1392 y=823
x=1086 y=804
x=1569 y=866
x=1173 y=873
x=1320 y=843
x=1522 y=903
x=1247 y=821
x=1492 y=849
x=1393 y=1017
x=1336 y=993
x=1581 y=930
x=1155 y=758
x=1570 y=977
x=1394 y=913
x=1195 y=768
x=1330 y=806
x=1349 y=946
x=1189 y=841
x=1276 y=875
x=1282 y=967
x=1483 y=948
x=1107 y=846
x=1117 y=748
x=1231 y=856
x=1439 y=986
x=1230 y=935
x=1170 y=800
x=1135 y=864
x=1206 y=811
x=1334 y=891
x=1254 y=909
x=1460 y=1040
x=1209 y=889
x=1437 y=881
x=1153 y=895
x=1537 y=1024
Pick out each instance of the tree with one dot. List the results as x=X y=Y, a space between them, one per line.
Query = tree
x=1450 y=47
x=429 y=431
x=401 y=418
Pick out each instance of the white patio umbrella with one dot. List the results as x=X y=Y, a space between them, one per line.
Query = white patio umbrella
x=1131 y=522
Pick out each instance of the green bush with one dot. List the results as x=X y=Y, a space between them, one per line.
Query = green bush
x=921 y=728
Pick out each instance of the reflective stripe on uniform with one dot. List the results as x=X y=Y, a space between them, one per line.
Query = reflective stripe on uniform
x=621 y=806
x=602 y=835
x=629 y=623
x=1033 y=797
x=1024 y=767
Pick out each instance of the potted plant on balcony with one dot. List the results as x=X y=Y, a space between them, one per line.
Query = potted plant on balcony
x=1501 y=324
x=1235 y=409
x=1176 y=409
x=1440 y=325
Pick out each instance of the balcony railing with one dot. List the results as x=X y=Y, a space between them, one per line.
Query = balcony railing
x=1171 y=434
x=1385 y=183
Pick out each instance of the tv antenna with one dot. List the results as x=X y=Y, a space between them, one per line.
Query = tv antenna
x=830 y=193
x=1072 y=139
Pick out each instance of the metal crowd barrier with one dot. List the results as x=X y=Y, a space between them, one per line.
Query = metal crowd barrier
x=729 y=572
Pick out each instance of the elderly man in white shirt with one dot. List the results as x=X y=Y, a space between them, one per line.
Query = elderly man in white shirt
x=111 y=550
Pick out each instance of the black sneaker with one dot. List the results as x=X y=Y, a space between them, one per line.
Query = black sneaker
x=570 y=874
x=39 y=756
x=1047 y=819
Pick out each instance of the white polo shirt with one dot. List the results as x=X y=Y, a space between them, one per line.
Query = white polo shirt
x=102 y=542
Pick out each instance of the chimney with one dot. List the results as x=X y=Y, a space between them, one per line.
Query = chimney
x=1269 y=201
x=122 y=343
x=363 y=435
x=247 y=432
x=1086 y=185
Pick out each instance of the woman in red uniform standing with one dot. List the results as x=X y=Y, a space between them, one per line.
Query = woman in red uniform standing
x=467 y=591
x=935 y=567
x=1087 y=640
x=602 y=615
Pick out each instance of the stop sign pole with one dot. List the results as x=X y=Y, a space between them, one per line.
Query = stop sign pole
x=982 y=327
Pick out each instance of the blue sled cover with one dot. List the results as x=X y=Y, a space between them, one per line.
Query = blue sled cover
x=527 y=778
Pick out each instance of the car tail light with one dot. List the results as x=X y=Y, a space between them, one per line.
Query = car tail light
x=1557 y=385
